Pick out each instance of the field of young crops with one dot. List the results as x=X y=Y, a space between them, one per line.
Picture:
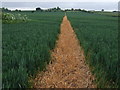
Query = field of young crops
x=27 y=39
x=113 y=14
x=26 y=45
x=98 y=35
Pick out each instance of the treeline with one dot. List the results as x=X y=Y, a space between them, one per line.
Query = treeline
x=55 y=9
x=59 y=9
x=3 y=9
x=50 y=9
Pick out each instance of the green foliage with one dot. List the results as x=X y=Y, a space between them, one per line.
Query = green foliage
x=5 y=9
x=98 y=35
x=13 y=18
x=26 y=47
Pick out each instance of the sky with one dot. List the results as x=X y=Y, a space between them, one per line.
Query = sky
x=108 y=5
x=59 y=0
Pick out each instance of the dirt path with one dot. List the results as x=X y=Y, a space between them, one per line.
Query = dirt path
x=68 y=68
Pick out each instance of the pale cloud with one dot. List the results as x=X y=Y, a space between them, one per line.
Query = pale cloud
x=60 y=0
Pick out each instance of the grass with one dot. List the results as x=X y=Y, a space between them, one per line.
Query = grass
x=98 y=35
x=26 y=46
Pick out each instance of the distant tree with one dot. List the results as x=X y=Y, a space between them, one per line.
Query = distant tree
x=16 y=10
x=38 y=9
x=58 y=8
x=5 y=10
x=19 y=10
x=67 y=10
x=115 y=11
x=83 y=10
x=102 y=10
x=79 y=9
x=72 y=9
x=54 y=9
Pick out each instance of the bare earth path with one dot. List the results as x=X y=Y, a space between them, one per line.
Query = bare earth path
x=68 y=68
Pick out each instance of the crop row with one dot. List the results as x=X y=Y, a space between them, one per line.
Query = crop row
x=26 y=47
x=98 y=35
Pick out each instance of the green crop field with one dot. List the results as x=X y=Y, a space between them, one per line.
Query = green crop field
x=26 y=45
x=29 y=37
x=98 y=35
x=113 y=14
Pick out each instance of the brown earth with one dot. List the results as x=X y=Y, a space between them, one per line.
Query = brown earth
x=67 y=68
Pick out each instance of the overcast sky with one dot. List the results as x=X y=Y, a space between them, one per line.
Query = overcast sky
x=59 y=0
x=64 y=4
